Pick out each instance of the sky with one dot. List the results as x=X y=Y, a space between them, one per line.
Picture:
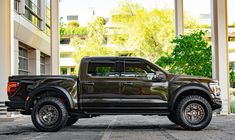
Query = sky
x=104 y=8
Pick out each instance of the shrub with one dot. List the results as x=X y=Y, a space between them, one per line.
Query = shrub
x=232 y=107
x=73 y=24
x=191 y=55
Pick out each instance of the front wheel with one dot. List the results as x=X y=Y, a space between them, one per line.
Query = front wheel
x=49 y=114
x=172 y=118
x=194 y=112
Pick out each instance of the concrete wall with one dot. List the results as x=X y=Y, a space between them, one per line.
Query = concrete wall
x=30 y=35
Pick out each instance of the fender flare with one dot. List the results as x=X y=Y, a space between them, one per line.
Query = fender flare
x=187 y=87
x=56 y=89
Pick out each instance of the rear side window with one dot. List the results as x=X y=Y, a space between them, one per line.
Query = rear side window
x=102 y=69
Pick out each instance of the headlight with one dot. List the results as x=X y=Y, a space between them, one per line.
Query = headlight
x=214 y=87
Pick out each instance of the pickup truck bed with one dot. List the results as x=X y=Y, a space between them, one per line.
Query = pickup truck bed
x=30 y=86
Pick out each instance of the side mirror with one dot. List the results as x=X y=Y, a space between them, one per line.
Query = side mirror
x=159 y=77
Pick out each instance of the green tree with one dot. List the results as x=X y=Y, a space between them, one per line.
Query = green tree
x=231 y=75
x=73 y=24
x=146 y=32
x=191 y=55
x=190 y=22
x=135 y=31
x=62 y=26
x=95 y=44
x=71 y=29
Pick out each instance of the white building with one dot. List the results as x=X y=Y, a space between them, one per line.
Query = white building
x=29 y=39
x=67 y=62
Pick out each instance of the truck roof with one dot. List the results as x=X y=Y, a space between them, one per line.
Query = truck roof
x=108 y=58
x=112 y=58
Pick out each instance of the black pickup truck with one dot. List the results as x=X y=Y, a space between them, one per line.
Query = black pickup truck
x=114 y=86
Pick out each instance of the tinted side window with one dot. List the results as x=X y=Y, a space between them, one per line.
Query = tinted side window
x=102 y=69
x=138 y=70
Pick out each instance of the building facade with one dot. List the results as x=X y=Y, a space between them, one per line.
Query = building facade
x=29 y=39
x=67 y=62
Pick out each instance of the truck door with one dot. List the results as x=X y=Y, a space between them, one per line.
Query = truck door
x=100 y=90
x=143 y=87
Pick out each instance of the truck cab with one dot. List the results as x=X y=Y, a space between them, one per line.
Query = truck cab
x=122 y=85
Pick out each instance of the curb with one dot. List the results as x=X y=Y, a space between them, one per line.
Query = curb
x=7 y=119
x=10 y=119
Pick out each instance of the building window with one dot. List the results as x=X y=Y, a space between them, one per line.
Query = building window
x=42 y=64
x=232 y=65
x=32 y=11
x=23 y=61
x=72 y=70
x=72 y=17
x=65 y=41
x=48 y=17
x=16 y=4
x=66 y=55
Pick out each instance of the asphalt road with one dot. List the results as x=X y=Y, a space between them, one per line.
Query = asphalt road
x=119 y=128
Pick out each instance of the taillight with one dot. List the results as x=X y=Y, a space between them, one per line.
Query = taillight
x=11 y=88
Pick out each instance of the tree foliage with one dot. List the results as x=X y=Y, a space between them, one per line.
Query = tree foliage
x=231 y=74
x=95 y=44
x=72 y=28
x=73 y=24
x=191 y=55
x=134 y=31
x=73 y=31
x=146 y=32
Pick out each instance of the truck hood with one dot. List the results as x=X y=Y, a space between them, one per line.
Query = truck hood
x=189 y=78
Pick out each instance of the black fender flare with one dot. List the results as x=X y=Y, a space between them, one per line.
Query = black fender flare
x=187 y=87
x=56 y=89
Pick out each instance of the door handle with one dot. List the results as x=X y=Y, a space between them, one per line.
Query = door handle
x=128 y=84
x=89 y=83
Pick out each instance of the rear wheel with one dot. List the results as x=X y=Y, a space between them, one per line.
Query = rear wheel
x=49 y=114
x=194 y=112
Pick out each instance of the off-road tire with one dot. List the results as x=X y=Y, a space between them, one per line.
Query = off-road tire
x=172 y=118
x=53 y=104
x=194 y=101
x=71 y=121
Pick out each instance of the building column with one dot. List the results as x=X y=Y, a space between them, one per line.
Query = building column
x=43 y=14
x=47 y=65
x=16 y=56
x=55 y=37
x=34 y=62
x=179 y=17
x=220 y=49
x=68 y=70
x=6 y=45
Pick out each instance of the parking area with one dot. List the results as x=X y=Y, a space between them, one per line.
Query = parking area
x=121 y=127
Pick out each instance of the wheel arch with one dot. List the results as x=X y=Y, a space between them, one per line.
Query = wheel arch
x=192 y=89
x=52 y=91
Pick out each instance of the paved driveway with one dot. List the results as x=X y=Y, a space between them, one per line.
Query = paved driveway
x=121 y=127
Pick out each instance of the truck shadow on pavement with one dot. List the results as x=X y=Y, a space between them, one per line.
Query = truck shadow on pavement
x=24 y=130
x=129 y=126
x=31 y=129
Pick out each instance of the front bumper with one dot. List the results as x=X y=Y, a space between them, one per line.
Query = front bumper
x=216 y=104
